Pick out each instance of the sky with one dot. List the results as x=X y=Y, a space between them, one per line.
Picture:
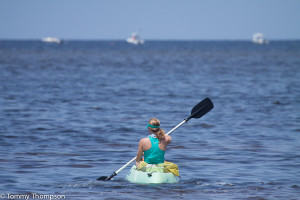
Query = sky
x=152 y=19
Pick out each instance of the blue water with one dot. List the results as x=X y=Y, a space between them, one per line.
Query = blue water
x=73 y=112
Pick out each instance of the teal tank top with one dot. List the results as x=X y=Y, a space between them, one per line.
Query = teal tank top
x=154 y=155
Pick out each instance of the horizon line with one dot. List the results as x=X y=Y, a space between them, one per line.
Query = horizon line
x=121 y=40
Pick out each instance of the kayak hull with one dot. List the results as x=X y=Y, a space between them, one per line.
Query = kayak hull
x=135 y=176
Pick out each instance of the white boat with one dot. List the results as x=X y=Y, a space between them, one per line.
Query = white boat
x=52 y=40
x=259 y=38
x=135 y=39
x=135 y=176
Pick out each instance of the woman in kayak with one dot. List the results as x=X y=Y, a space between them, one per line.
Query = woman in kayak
x=153 y=148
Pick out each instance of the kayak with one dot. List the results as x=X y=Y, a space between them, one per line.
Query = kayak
x=136 y=176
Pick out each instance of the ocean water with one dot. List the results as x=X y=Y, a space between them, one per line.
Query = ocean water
x=73 y=112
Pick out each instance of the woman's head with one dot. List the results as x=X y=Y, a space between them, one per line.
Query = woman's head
x=154 y=126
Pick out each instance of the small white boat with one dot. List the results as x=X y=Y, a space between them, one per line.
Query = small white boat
x=135 y=39
x=136 y=176
x=52 y=40
x=259 y=38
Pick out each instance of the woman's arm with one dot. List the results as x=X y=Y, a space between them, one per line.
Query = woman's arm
x=139 y=152
x=168 y=139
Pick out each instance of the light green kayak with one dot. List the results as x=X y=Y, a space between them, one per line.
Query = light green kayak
x=136 y=176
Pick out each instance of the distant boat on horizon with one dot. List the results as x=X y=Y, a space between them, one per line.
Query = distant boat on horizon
x=52 y=40
x=259 y=38
x=135 y=39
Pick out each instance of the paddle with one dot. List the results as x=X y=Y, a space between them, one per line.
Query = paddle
x=198 y=111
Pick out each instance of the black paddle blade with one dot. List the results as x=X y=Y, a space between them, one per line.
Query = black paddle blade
x=102 y=178
x=106 y=178
x=201 y=109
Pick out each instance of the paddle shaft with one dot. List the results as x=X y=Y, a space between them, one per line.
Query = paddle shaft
x=116 y=172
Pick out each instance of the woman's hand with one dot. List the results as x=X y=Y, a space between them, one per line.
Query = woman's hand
x=137 y=163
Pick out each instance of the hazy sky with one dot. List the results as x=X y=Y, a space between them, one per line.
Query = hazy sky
x=153 y=19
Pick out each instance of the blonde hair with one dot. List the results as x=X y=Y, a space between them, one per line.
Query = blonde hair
x=160 y=133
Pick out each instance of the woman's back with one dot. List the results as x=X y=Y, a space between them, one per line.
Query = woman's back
x=163 y=143
x=154 y=151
